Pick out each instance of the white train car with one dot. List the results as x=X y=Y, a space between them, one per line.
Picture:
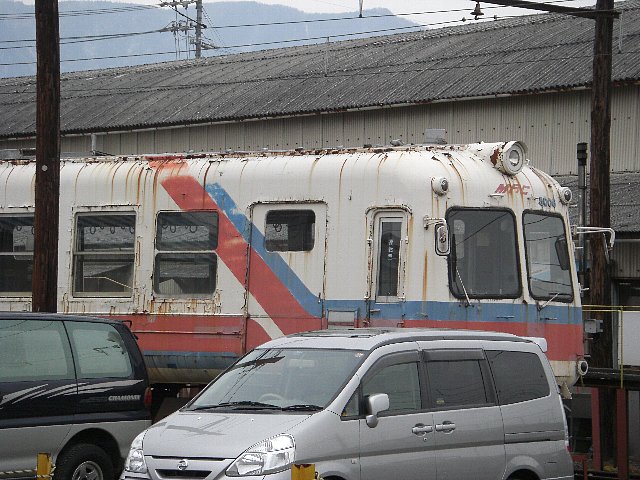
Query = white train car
x=209 y=255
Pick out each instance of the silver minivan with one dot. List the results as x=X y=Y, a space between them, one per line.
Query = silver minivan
x=370 y=404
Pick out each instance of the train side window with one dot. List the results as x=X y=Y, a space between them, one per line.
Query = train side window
x=104 y=254
x=290 y=230
x=185 y=261
x=16 y=254
x=483 y=261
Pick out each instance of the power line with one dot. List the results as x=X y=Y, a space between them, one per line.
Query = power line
x=84 y=39
x=103 y=11
x=78 y=13
x=417 y=27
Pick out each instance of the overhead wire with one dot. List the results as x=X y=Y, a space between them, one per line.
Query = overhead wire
x=414 y=27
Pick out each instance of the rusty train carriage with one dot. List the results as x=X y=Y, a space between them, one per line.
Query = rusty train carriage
x=210 y=255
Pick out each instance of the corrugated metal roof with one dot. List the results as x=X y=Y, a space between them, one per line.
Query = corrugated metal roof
x=520 y=55
x=625 y=201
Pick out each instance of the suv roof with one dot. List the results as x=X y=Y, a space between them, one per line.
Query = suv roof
x=53 y=316
x=368 y=338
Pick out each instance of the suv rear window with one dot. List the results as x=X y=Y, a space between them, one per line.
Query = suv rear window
x=100 y=350
x=519 y=376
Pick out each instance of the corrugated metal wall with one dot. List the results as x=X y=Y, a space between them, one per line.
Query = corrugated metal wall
x=626 y=259
x=550 y=125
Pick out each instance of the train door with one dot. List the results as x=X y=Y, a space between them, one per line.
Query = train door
x=387 y=258
x=286 y=279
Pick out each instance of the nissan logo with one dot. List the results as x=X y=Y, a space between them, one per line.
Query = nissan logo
x=183 y=464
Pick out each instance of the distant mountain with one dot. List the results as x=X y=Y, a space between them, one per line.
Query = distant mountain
x=130 y=42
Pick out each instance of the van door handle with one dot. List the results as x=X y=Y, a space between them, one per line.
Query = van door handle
x=421 y=429
x=446 y=427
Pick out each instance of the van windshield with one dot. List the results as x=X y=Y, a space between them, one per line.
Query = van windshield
x=281 y=379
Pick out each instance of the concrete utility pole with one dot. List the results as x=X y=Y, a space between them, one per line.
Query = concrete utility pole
x=45 y=255
x=198 y=28
x=188 y=24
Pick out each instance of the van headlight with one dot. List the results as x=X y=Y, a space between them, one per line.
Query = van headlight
x=135 y=460
x=269 y=456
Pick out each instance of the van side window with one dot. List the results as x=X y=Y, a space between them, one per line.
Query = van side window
x=104 y=254
x=16 y=254
x=519 y=376
x=34 y=351
x=483 y=262
x=401 y=382
x=290 y=230
x=99 y=350
x=186 y=261
x=457 y=383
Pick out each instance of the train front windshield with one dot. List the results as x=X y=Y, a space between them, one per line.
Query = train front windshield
x=281 y=379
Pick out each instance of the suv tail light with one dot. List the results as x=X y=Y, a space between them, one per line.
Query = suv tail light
x=148 y=397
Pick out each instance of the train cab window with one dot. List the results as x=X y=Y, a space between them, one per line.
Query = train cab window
x=104 y=254
x=290 y=230
x=16 y=254
x=483 y=262
x=548 y=269
x=185 y=261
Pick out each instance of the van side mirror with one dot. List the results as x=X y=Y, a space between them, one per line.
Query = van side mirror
x=374 y=404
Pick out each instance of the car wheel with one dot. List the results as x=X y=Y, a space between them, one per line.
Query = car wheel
x=84 y=462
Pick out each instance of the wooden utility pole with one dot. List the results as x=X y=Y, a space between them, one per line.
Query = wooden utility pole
x=600 y=284
x=45 y=255
x=600 y=281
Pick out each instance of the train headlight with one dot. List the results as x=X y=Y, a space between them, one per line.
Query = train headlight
x=511 y=158
x=440 y=185
x=565 y=195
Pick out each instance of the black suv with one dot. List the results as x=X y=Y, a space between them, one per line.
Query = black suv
x=72 y=386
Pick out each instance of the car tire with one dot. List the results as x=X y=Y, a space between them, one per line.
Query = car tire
x=84 y=462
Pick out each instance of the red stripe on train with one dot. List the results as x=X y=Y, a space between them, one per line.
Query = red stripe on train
x=265 y=286
x=564 y=342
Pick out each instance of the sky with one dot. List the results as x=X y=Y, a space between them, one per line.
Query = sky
x=436 y=11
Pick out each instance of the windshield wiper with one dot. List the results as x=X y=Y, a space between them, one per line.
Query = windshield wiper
x=302 y=407
x=245 y=404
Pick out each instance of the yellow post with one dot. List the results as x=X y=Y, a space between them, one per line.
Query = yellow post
x=303 y=472
x=44 y=466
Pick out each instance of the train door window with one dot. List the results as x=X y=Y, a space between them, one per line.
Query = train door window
x=185 y=261
x=548 y=269
x=104 y=254
x=16 y=254
x=290 y=230
x=483 y=262
x=389 y=231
